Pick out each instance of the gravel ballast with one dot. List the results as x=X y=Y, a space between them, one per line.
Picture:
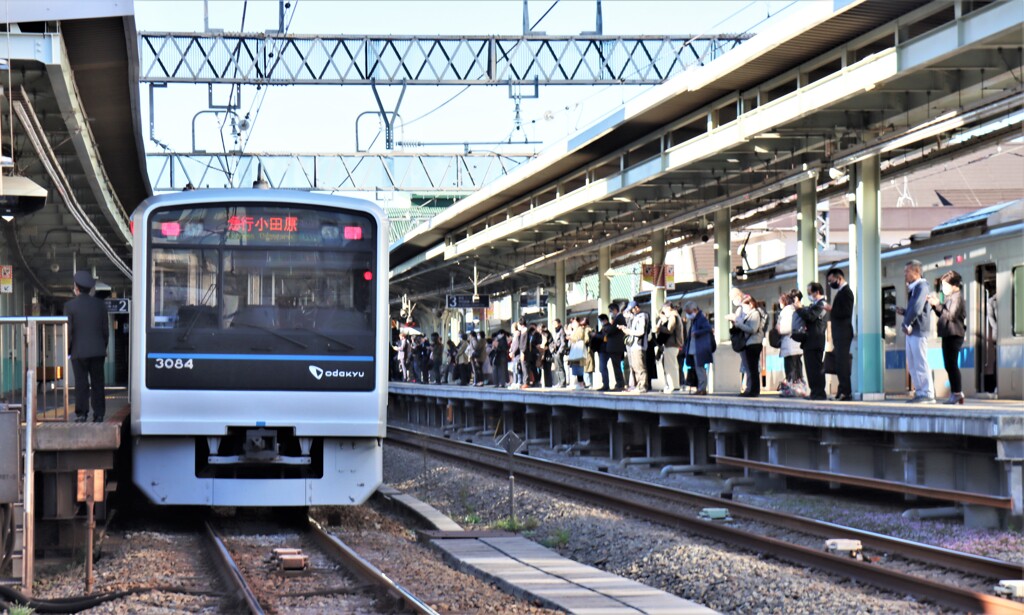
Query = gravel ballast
x=704 y=571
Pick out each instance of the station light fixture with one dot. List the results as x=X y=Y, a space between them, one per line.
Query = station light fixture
x=20 y=196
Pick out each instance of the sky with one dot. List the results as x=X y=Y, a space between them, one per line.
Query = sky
x=323 y=119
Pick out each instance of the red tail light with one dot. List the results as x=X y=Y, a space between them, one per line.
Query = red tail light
x=353 y=233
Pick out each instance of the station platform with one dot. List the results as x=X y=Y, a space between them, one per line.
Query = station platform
x=535 y=573
x=61 y=449
x=970 y=454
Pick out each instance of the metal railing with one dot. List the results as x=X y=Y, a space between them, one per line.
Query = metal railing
x=34 y=350
x=40 y=344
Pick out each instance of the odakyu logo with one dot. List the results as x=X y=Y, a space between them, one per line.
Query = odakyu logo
x=320 y=373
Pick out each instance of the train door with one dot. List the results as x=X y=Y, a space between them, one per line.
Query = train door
x=986 y=334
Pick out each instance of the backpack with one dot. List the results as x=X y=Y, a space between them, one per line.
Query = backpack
x=799 y=331
x=763 y=320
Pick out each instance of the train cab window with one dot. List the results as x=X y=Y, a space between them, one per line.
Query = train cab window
x=889 y=312
x=1018 y=300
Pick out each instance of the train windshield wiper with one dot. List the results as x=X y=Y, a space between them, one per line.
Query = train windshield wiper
x=273 y=332
x=326 y=337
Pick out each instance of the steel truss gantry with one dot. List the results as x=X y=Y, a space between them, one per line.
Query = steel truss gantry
x=275 y=59
x=424 y=173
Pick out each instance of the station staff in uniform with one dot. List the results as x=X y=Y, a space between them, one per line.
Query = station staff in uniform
x=841 y=316
x=88 y=333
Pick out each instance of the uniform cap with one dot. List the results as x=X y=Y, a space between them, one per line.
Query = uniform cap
x=84 y=279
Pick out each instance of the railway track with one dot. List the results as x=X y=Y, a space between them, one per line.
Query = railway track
x=253 y=594
x=620 y=493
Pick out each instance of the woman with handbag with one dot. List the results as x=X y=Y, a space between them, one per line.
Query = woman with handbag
x=750 y=322
x=789 y=350
x=951 y=328
x=698 y=345
x=579 y=336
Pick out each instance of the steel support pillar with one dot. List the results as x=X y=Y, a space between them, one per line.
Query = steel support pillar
x=558 y=310
x=658 y=259
x=866 y=282
x=604 y=284
x=807 y=236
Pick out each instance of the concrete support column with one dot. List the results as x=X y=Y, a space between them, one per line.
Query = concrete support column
x=807 y=236
x=604 y=283
x=658 y=260
x=558 y=309
x=516 y=308
x=866 y=282
x=724 y=376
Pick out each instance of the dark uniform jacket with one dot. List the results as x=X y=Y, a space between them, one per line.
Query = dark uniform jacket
x=87 y=327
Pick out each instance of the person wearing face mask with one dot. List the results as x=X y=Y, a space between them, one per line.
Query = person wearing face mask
x=814 y=317
x=916 y=324
x=790 y=351
x=736 y=295
x=841 y=316
x=952 y=327
x=697 y=346
x=751 y=322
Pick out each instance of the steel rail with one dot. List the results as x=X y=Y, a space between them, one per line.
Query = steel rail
x=957 y=560
x=935 y=493
x=231 y=574
x=366 y=571
x=532 y=469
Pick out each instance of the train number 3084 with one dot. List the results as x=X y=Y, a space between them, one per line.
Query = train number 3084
x=173 y=364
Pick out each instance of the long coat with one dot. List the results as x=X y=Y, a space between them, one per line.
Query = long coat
x=698 y=339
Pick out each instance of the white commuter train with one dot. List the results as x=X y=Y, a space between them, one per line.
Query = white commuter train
x=258 y=348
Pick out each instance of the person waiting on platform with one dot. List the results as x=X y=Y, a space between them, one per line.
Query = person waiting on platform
x=462 y=357
x=952 y=327
x=789 y=349
x=636 y=345
x=916 y=325
x=736 y=297
x=615 y=345
x=559 y=348
x=436 y=357
x=815 y=319
x=88 y=334
x=670 y=337
x=579 y=355
x=698 y=345
x=515 y=355
x=499 y=359
x=841 y=316
x=751 y=321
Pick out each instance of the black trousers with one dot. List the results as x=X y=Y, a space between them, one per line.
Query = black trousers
x=815 y=361
x=89 y=385
x=616 y=358
x=752 y=355
x=951 y=346
x=794 y=366
x=841 y=352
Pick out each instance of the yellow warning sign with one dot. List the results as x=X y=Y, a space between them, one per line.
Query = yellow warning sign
x=6 y=279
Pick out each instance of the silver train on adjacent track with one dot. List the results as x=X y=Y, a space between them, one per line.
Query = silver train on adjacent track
x=258 y=348
x=986 y=247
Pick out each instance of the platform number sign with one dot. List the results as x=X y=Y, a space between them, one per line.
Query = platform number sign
x=118 y=306
x=6 y=279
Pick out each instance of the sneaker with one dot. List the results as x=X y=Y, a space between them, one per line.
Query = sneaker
x=667 y=390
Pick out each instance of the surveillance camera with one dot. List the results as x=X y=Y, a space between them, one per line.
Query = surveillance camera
x=704 y=238
x=54 y=267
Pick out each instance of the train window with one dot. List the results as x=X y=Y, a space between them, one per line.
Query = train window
x=1018 y=300
x=889 y=311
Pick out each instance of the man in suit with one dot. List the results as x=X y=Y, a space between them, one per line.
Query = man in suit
x=841 y=315
x=88 y=333
x=814 y=345
x=917 y=320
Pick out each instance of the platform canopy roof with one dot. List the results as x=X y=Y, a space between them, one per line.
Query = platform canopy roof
x=909 y=81
x=71 y=101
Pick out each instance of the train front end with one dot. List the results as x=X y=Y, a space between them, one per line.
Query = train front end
x=259 y=358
